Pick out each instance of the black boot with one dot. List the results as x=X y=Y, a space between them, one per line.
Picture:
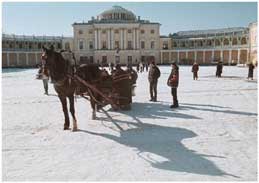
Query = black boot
x=175 y=105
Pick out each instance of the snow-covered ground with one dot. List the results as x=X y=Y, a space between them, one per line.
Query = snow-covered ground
x=212 y=136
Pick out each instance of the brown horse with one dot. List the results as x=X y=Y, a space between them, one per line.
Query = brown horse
x=59 y=68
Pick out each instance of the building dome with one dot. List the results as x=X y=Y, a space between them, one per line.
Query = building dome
x=117 y=13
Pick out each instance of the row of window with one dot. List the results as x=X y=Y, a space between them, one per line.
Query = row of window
x=116 y=31
x=104 y=61
x=117 y=45
x=28 y=45
x=209 y=43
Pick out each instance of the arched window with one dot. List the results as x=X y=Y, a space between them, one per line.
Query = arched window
x=226 y=42
x=174 y=44
x=59 y=46
x=191 y=44
x=39 y=45
x=209 y=43
x=67 y=46
x=243 y=40
x=199 y=43
x=217 y=42
x=234 y=41
x=182 y=44
x=80 y=32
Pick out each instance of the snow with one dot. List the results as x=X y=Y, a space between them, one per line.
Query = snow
x=212 y=136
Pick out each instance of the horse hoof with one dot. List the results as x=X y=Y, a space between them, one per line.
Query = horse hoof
x=66 y=128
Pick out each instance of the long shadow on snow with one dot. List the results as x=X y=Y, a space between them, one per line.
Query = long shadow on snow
x=187 y=106
x=155 y=111
x=161 y=140
x=155 y=140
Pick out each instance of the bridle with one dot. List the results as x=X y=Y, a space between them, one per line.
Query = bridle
x=52 y=67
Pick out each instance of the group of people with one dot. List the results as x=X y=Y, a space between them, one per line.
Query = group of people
x=173 y=80
x=140 y=67
x=153 y=75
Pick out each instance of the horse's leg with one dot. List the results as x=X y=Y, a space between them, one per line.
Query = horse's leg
x=93 y=105
x=72 y=111
x=65 y=111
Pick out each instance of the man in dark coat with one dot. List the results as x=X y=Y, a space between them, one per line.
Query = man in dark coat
x=137 y=67
x=153 y=75
x=173 y=81
x=219 y=69
x=250 y=71
x=146 y=66
x=195 y=69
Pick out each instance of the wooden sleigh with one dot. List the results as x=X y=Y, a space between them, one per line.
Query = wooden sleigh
x=116 y=91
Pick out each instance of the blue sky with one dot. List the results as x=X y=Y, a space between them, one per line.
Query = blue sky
x=56 y=18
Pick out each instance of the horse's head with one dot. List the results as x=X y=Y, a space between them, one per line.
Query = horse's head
x=48 y=55
x=55 y=63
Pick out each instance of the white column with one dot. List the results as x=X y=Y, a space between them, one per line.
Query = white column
x=221 y=55
x=27 y=60
x=137 y=44
x=112 y=38
x=96 y=39
x=238 y=56
x=134 y=38
x=121 y=38
x=8 y=59
x=99 y=39
x=125 y=39
x=170 y=59
x=109 y=38
x=195 y=56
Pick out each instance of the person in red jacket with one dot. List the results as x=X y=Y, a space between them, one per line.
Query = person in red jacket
x=173 y=81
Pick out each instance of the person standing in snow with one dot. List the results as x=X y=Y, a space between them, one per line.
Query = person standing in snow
x=45 y=79
x=147 y=67
x=195 y=69
x=219 y=69
x=250 y=71
x=173 y=81
x=153 y=75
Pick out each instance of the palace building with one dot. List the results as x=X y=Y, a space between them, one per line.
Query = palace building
x=229 y=45
x=25 y=51
x=117 y=35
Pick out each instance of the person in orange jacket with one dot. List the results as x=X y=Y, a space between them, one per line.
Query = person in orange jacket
x=173 y=81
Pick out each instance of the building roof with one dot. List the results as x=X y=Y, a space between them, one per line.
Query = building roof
x=117 y=13
x=31 y=38
x=163 y=36
x=209 y=32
